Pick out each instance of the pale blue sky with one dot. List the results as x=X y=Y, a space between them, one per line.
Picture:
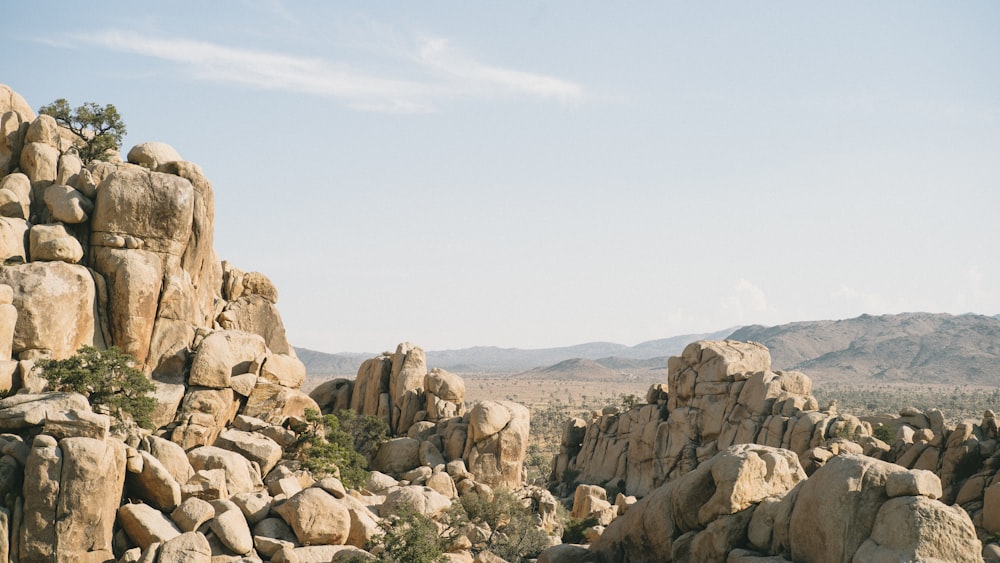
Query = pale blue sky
x=536 y=174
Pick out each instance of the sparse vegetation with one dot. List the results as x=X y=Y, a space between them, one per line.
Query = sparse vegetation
x=97 y=129
x=513 y=534
x=341 y=443
x=575 y=527
x=109 y=380
x=408 y=537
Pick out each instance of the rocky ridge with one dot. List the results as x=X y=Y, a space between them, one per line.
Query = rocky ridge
x=738 y=463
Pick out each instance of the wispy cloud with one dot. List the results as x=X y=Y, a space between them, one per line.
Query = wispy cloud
x=437 y=53
x=747 y=303
x=437 y=72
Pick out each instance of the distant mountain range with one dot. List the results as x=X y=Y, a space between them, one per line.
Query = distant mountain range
x=493 y=360
x=915 y=347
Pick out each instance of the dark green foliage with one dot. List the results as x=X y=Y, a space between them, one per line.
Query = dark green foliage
x=97 y=129
x=573 y=531
x=884 y=432
x=109 y=380
x=514 y=536
x=408 y=537
x=342 y=441
x=629 y=402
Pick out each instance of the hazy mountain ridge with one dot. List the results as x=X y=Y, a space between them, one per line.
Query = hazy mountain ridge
x=495 y=360
x=917 y=347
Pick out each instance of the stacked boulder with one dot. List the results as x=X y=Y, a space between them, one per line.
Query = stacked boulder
x=426 y=413
x=754 y=503
x=721 y=393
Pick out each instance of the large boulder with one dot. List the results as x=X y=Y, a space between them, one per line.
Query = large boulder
x=51 y=243
x=241 y=475
x=72 y=490
x=917 y=528
x=275 y=403
x=224 y=354
x=257 y=315
x=712 y=501
x=56 y=307
x=836 y=508
x=151 y=155
x=316 y=517
x=498 y=443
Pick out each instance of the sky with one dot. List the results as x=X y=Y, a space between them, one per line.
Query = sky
x=537 y=174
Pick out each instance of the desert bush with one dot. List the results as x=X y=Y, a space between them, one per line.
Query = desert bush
x=407 y=537
x=575 y=527
x=514 y=535
x=341 y=443
x=109 y=380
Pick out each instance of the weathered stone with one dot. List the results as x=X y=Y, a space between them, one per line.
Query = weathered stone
x=51 y=243
x=425 y=500
x=255 y=505
x=203 y=415
x=333 y=395
x=284 y=370
x=255 y=447
x=76 y=423
x=145 y=525
x=23 y=411
x=67 y=205
x=222 y=355
x=257 y=315
x=152 y=154
x=172 y=456
x=498 y=442
x=916 y=528
x=55 y=303
x=397 y=455
x=15 y=196
x=241 y=475
x=189 y=547
x=40 y=162
x=231 y=527
x=154 y=484
x=207 y=485
x=274 y=403
x=316 y=517
x=192 y=513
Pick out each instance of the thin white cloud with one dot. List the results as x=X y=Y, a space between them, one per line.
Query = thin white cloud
x=442 y=73
x=436 y=53
x=747 y=303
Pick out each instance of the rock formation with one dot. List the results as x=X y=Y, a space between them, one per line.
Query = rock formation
x=723 y=397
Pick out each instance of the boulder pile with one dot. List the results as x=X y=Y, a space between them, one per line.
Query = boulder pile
x=722 y=396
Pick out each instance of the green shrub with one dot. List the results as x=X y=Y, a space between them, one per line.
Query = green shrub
x=340 y=443
x=884 y=432
x=408 y=537
x=514 y=536
x=573 y=531
x=109 y=380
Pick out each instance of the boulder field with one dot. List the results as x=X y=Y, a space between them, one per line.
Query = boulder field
x=727 y=461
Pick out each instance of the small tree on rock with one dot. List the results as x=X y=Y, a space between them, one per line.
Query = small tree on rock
x=109 y=380
x=97 y=129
